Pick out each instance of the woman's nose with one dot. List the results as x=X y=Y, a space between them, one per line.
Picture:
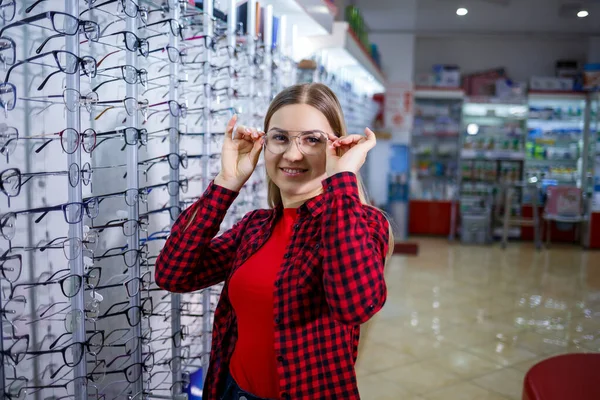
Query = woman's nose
x=293 y=152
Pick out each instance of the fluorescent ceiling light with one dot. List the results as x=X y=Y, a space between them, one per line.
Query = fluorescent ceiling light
x=462 y=11
x=583 y=14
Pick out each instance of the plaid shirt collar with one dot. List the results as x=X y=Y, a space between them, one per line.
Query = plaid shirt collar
x=314 y=206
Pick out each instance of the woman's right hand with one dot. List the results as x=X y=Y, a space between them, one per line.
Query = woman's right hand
x=239 y=155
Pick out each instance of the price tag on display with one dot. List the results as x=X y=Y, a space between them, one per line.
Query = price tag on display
x=399 y=107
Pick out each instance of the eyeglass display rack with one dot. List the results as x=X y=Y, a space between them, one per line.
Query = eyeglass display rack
x=435 y=149
x=492 y=154
x=97 y=325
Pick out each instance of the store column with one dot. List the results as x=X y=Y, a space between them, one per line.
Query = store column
x=389 y=162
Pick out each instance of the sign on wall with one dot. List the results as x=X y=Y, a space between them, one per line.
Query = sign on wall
x=399 y=108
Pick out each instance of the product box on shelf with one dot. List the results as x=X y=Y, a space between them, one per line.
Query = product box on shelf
x=446 y=75
x=483 y=83
x=591 y=77
x=507 y=89
x=550 y=83
x=567 y=68
x=425 y=79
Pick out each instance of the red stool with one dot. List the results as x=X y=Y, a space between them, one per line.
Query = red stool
x=564 y=377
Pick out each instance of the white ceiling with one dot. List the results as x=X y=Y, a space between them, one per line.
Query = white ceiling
x=435 y=17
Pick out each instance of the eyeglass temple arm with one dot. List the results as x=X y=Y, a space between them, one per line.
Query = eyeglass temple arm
x=102 y=141
x=39 y=49
x=31 y=7
x=28 y=60
x=105 y=82
x=25 y=21
x=95 y=6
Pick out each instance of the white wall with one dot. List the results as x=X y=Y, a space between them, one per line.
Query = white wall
x=594 y=50
x=522 y=56
x=397 y=52
x=397 y=63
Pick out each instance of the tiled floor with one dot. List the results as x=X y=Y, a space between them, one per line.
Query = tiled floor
x=467 y=322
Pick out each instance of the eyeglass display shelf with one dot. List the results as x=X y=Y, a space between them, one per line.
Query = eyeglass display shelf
x=342 y=49
x=315 y=16
x=439 y=93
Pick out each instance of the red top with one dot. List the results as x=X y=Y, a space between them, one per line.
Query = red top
x=330 y=282
x=253 y=364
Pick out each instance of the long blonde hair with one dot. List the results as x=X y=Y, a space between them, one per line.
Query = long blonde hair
x=323 y=99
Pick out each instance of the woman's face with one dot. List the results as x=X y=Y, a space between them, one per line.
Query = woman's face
x=297 y=174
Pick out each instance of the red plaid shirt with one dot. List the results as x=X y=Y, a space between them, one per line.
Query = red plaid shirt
x=331 y=281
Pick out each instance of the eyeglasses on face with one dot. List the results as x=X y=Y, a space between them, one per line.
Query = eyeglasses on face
x=310 y=143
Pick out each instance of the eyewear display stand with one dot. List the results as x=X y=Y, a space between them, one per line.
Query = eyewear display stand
x=112 y=80
x=133 y=241
x=174 y=204
x=76 y=230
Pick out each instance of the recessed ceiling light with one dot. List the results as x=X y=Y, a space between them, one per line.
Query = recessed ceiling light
x=583 y=14
x=462 y=11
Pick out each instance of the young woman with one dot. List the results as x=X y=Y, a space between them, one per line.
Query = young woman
x=299 y=277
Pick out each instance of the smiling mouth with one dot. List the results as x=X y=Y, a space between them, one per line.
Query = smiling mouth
x=293 y=171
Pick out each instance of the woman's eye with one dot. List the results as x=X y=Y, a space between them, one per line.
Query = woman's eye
x=280 y=138
x=312 y=140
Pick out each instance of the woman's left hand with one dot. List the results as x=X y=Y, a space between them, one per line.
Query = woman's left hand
x=352 y=150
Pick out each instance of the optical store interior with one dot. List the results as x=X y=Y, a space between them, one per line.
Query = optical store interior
x=486 y=115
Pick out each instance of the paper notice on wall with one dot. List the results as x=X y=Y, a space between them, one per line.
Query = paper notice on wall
x=399 y=108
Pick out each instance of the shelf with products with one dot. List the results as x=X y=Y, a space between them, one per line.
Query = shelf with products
x=492 y=154
x=554 y=143
x=342 y=53
x=435 y=150
x=435 y=143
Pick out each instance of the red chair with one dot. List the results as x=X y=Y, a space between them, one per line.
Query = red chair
x=565 y=377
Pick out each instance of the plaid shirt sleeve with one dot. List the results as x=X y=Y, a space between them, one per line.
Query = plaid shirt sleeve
x=355 y=242
x=192 y=258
